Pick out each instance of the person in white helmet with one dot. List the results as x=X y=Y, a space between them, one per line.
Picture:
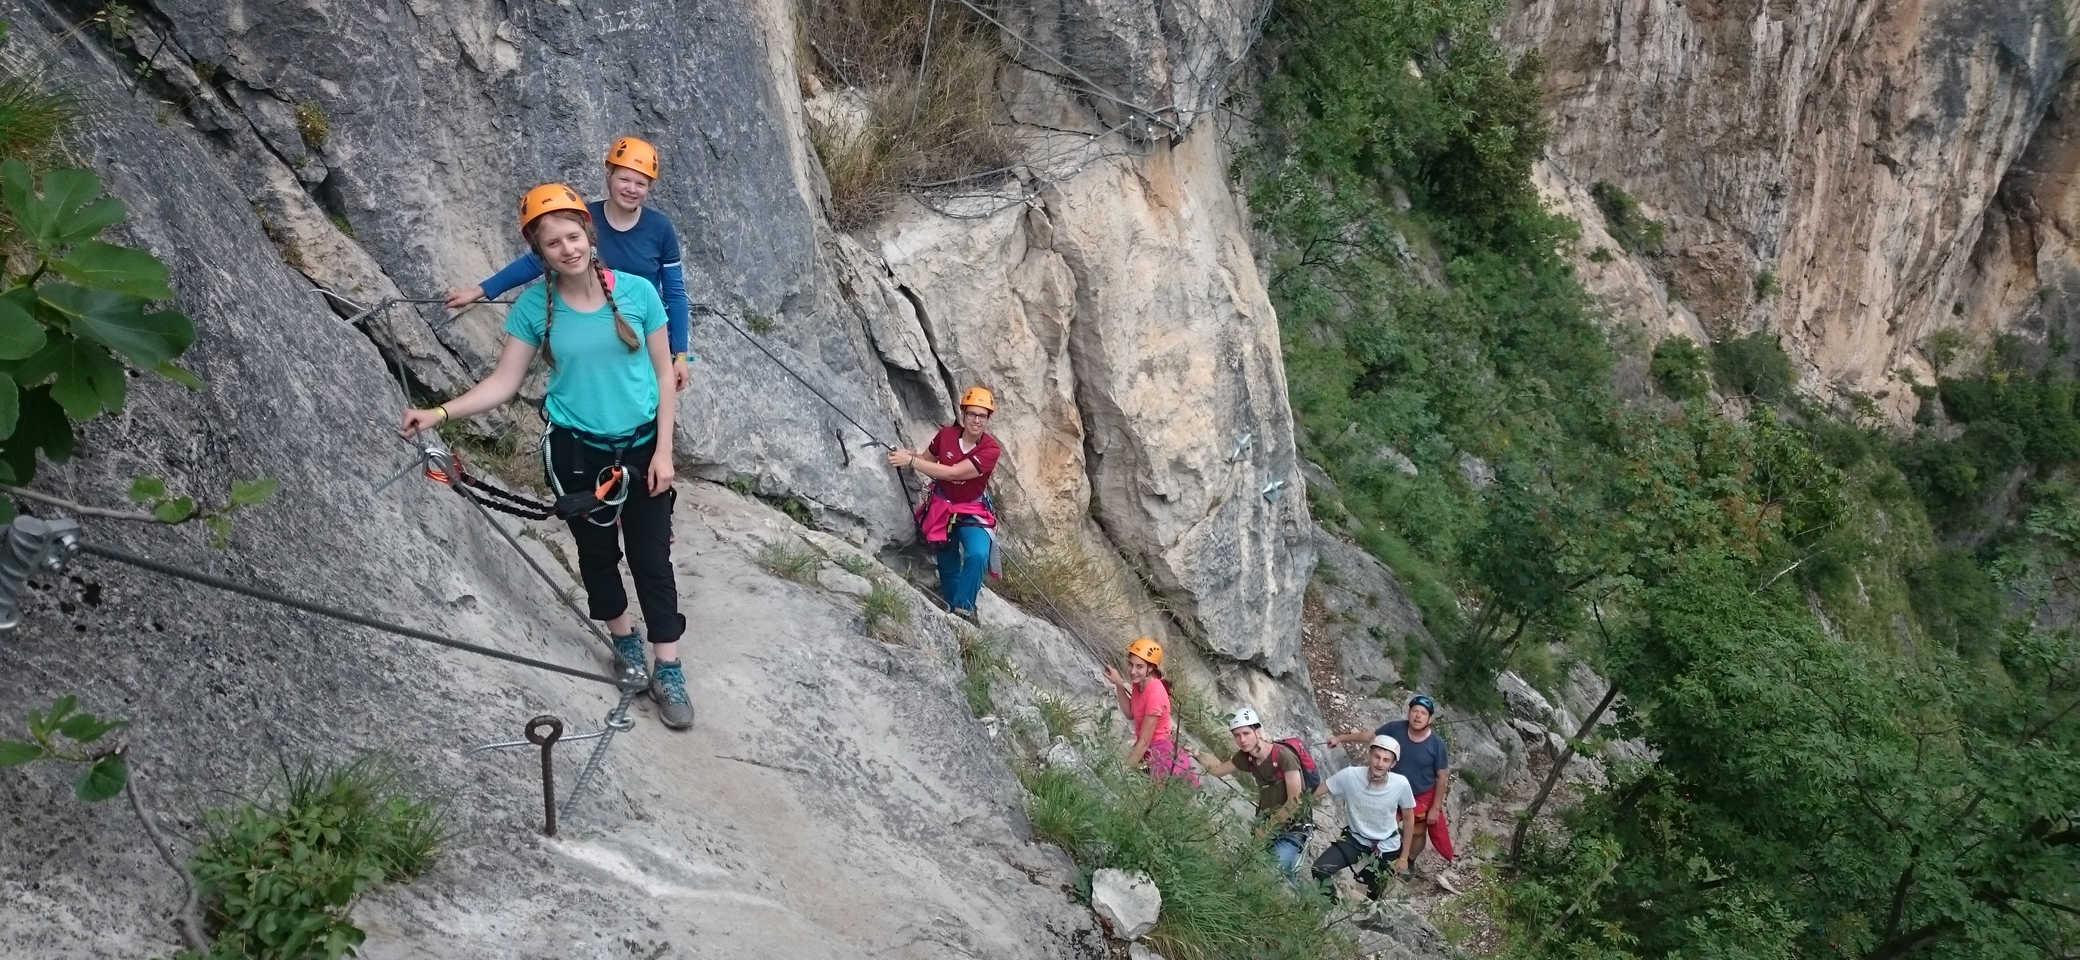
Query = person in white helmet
x=1281 y=787
x=1378 y=811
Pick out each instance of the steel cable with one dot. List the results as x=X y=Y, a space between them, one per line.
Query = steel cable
x=269 y=596
x=770 y=355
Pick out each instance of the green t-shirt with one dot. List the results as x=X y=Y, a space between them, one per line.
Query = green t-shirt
x=598 y=384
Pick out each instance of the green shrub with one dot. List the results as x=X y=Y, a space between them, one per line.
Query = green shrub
x=1622 y=218
x=1754 y=366
x=1222 y=895
x=1766 y=285
x=1679 y=368
x=1956 y=602
x=278 y=876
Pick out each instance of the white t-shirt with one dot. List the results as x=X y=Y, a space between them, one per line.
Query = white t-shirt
x=1373 y=813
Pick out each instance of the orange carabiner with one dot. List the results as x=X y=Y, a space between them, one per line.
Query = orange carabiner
x=606 y=486
x=436 y=474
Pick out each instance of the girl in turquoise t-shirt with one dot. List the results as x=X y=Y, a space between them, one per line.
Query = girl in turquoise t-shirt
x=603 y=334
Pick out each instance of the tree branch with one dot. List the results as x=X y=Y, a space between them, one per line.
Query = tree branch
x=1516 y=841
x=1913 y=942
x=189 y=919
x=80 y=508
x=1899 y=891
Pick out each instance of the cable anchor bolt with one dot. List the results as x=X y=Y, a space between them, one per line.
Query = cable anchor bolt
x=544 y=731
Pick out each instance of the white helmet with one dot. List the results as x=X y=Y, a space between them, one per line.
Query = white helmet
x=1388 y=744
x=1243 y=717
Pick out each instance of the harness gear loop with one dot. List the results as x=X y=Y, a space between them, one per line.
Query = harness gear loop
x=610 y=485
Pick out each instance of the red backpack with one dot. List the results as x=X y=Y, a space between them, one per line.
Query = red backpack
x=1310 y=777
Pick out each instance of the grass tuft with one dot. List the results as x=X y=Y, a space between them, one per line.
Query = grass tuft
x=34 y=119
x=789 y=558
x=856 y=564
x=1068 y=587
x=313 y=124
x=887 y=613
x=1061 y=716
x=916 y=127
x=983 y=662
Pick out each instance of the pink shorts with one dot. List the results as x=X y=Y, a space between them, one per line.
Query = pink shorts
x=1166 y=760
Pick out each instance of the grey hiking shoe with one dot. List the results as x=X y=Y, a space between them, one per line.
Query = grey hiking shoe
x=631 y=648
x=668 y=688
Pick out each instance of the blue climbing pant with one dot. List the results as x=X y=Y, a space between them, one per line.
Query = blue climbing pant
x=962 y=563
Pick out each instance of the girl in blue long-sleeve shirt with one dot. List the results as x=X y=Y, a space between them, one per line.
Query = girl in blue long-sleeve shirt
x=632 y=239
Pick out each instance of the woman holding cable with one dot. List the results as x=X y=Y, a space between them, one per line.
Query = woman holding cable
x=603 y=335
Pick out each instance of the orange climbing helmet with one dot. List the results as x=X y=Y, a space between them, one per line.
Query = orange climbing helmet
x=1148 y=650
x=635 y=154
x=548 y=198
x=978 y=397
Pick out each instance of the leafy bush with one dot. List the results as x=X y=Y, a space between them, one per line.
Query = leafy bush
x=1943 y=346
x=1622 y=218
x=75 y=311
x=279 y=876
x=1222 y=895
x=1956 y=602
x=1754 y=366
x=1679 y=367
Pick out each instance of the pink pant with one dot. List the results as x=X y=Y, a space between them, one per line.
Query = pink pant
x=1440 y=831
x=1165 y=760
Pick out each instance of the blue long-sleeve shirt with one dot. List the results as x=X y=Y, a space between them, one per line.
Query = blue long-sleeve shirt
x=650 y=250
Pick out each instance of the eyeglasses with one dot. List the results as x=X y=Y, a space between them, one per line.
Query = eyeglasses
x=972 y=415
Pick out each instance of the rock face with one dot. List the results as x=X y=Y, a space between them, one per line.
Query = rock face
x=1129 y=902
x=1118 y=315
x=1849 y=151
x=375 y=150
x=1146 y=69
x=1140 y=381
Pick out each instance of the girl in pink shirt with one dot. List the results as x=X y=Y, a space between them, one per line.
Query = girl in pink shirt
x=1145 y=699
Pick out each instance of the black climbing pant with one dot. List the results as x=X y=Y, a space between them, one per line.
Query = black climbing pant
x=1347 y=852
x=645 y=531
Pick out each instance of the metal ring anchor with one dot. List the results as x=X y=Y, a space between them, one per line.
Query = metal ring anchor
x=544 y=731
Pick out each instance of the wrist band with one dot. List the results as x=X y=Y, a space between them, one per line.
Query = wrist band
x=443 y=410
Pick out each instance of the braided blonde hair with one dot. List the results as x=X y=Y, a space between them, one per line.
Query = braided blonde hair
x=621 y=327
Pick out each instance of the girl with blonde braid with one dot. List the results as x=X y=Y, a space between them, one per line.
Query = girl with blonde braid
x=603 y=334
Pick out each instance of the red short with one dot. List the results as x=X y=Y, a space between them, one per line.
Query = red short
x=1440 y=831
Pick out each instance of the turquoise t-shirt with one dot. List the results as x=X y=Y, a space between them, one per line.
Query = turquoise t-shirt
x=598 y=385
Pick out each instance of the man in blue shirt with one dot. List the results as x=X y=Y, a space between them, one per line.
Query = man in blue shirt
x=633 y=239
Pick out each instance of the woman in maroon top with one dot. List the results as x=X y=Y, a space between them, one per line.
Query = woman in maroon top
x=959 y=461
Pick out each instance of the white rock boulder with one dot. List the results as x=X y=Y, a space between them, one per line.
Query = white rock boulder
x=1129 y=903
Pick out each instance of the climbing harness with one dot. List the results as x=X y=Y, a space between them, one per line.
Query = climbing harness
x=610 y=485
